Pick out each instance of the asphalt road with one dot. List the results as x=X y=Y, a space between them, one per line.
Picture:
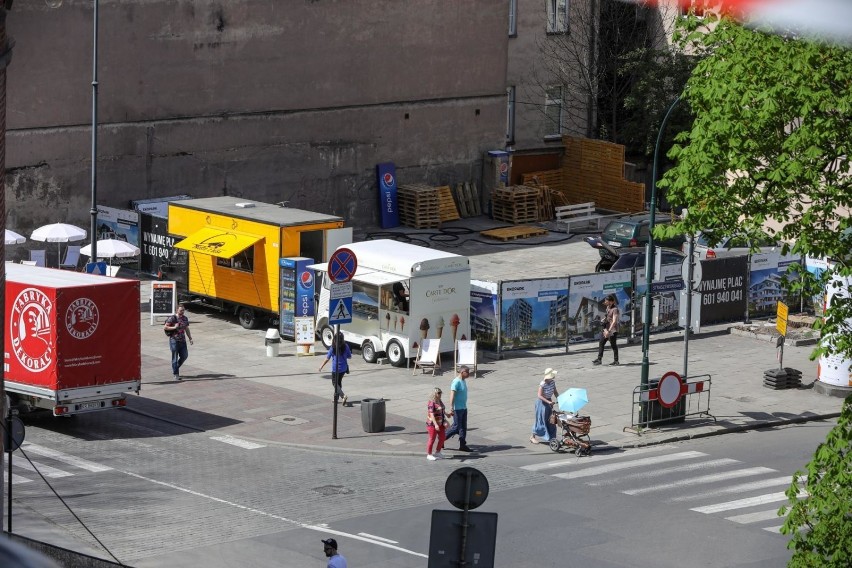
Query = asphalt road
x=158 y=495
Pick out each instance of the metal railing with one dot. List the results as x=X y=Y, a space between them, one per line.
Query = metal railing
x=648 y=411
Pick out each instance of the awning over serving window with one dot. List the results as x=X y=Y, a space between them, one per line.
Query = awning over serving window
x=218 y=242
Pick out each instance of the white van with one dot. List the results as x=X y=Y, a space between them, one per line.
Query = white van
x=401 y=294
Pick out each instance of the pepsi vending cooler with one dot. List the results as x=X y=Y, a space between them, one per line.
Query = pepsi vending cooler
x=296 y=293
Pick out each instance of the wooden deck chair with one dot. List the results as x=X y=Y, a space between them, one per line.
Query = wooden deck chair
x=466 y=355
x=38 y=257
x=428 y=356
x=72 y=257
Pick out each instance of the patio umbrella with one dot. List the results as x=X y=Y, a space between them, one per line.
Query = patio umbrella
x=58 y=233
x=112 y=248
x=13 y=238
x=572 y=400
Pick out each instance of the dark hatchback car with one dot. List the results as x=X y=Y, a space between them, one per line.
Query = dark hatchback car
x=633 y=231
x=627 y=258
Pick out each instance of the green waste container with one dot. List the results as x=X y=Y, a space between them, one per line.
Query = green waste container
x=373 y=415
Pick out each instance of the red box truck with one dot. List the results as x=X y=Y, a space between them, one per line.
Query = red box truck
x=72 y=342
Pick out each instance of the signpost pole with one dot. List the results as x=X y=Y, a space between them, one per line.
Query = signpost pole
x=690 y=247
x=336 y=345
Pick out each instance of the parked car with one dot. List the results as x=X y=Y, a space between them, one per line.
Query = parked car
x=706 y=246
x=627 y=258
x=633 y=231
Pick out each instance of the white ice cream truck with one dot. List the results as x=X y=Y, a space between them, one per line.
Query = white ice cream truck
x=401 y=294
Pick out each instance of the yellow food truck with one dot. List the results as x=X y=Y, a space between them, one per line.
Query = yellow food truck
x=228 y=249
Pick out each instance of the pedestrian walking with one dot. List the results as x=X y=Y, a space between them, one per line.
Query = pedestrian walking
x=339 y=354
x=458 y=408
x=610 y=329
x=547 y=393
x=177 y=328
x=335 y=559
x=436 y=425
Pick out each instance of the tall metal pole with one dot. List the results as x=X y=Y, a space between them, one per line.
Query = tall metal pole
x=94 y=210
x=649 y=253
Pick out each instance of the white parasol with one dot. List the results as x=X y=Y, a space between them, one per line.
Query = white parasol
x=58 y=233
x=112 y=248
x=13 y=238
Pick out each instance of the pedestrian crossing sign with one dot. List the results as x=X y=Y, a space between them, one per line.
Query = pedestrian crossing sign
x=340 y=311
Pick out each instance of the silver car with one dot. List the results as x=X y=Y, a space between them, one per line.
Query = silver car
x=706 y=246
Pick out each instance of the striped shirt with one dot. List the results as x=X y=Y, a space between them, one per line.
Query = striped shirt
x=547 y=388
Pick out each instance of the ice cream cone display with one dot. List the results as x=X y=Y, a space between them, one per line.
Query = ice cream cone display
x=440 y=326
x=454 y=323
x=415 y=346
x=394 y=322
x=387 y=319
x=464 y=337
x=424 y=328
x=401 y=323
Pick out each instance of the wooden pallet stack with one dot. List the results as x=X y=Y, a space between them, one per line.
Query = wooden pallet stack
x=419 y=206
x=516 y=204
x=467 y=199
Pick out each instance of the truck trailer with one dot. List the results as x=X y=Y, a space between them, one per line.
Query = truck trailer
x=73 y=343
x=229 y=251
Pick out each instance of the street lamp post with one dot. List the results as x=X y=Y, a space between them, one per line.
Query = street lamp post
x=94 y=210
x=649 y=256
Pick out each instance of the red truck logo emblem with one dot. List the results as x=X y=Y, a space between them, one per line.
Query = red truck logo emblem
x=30 y=329
x=81 y=318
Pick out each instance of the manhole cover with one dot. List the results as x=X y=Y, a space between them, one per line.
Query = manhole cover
x=287 y=419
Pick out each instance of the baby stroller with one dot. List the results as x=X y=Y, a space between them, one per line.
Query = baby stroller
x=575 y=433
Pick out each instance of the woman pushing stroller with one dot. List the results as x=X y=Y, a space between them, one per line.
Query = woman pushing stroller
x=543 y=427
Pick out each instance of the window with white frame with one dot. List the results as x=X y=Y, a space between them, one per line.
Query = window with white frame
x=557 y=16
x=513 y=18
x=510 y=115
x=553 y=111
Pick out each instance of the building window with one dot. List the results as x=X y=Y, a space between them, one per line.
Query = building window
x=557 y=16
x=510 y=115
x=513 y=18
x=553 y=111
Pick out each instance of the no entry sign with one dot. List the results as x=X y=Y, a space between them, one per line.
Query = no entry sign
x=342 y=265
x=669 y=390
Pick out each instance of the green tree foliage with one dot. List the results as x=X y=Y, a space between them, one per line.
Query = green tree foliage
x=771 y=142
x=821 y=525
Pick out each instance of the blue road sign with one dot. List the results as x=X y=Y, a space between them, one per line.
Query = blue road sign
x=340 y=311
x=666 y=286
x=99 y=268
x=342 y=265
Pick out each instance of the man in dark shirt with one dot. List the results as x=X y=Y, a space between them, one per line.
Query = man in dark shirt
x=177 y=328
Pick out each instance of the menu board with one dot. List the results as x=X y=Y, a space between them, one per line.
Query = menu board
x=163 y=298
x=305 y=336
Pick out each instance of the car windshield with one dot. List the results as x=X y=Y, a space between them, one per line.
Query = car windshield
x=736 y=241
x=619 y=230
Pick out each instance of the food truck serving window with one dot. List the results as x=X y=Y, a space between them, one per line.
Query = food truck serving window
x=218 y=242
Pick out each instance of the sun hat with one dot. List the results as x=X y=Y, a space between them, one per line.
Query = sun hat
x=550 y=373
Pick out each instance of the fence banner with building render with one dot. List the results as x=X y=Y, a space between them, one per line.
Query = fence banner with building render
x=533 y=313
x=765 y=288
x=586 y=307
x=484 y=309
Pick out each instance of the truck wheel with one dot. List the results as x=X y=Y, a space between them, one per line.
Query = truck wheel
x=248 y=319
x=395 y=353
x=327 y=336
x=368 y=352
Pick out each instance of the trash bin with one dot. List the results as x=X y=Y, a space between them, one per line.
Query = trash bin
x=373 y=415
x=273 y=342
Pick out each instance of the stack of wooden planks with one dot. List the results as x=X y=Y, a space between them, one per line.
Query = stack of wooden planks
x=516 y=204
x=419 y=206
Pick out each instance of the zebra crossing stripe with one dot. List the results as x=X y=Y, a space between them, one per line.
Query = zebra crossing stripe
x=742 y=503
x=603 y=469
x=754 y=517
x=16 y=479
x=597 y=458
x=657 y=472
x=45 y=470
x=723 y=476
x=64 y=458
x=776 y=530
x=237 y=442
x=741 y=488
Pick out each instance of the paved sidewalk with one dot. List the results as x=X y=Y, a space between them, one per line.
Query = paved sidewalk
x=231 y=387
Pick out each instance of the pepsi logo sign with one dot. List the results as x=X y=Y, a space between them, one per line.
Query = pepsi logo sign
x=306 y=279
x=387 y=179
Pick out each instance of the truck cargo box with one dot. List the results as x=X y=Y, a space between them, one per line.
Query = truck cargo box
x=68 y=331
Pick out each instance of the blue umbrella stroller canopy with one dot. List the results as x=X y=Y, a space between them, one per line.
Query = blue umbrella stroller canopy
x=572 y=400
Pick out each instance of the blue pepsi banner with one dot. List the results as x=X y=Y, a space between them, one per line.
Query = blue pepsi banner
x=388 y=198
x=296 y=293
